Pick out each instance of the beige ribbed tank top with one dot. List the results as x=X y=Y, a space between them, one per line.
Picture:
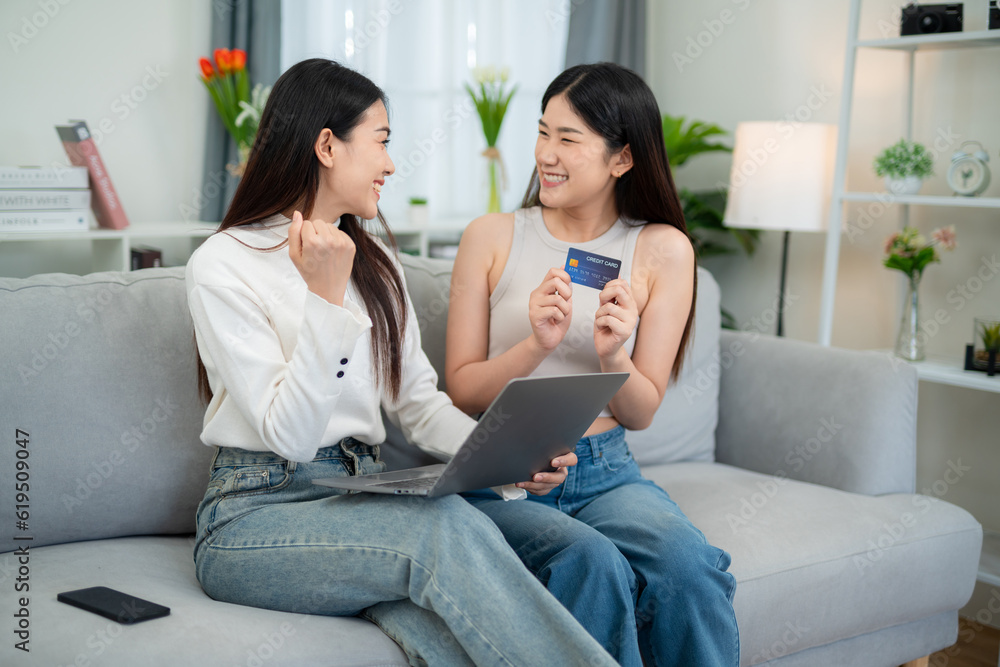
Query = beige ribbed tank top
x=533 y=251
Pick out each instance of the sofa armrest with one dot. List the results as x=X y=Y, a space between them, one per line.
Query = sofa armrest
x=841 y=418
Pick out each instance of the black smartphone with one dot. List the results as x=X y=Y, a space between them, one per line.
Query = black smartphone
x=117 y=606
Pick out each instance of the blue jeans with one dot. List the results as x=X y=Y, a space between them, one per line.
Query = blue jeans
x=622 y=557
x=435 y=574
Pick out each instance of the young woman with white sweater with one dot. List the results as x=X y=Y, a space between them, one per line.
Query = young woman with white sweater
x=305 y=331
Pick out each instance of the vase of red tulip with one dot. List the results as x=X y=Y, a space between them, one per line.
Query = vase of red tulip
x=239 y=107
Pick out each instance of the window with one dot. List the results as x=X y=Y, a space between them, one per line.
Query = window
x=421 y=54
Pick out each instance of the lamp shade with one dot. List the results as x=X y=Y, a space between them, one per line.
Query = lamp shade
x=782 y=176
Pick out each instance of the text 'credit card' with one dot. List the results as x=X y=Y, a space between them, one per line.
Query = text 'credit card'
x=586 y=268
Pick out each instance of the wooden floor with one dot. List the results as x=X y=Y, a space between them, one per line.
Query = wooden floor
x=977 y=646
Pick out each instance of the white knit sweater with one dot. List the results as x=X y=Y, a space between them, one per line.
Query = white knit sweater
x=291 y=372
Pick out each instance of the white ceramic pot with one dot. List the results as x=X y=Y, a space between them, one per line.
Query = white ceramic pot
x=418 y=215
x=908 y=185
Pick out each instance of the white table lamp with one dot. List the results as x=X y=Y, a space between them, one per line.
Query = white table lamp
x=781 y=179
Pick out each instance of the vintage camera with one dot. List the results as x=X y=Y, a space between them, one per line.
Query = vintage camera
x=927 y=19
x=994 y=16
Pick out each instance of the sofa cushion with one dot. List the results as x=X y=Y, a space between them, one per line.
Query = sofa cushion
x=816 y=565
x=100 y=373
x=683 y=428
x=198 y=631
x=841 y=418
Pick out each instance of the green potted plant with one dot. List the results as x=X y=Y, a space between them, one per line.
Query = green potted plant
x=904 y=165
x=418 y=213
x=703 y=210
x=987 y=340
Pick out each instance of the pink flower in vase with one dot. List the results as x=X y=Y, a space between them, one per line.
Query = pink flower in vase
x=890 y=241
x=945 y=237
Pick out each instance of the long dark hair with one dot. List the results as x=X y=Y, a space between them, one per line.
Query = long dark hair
x=282 y=172
x=617 y=104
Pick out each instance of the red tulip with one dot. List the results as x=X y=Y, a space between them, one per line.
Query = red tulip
x=206 y=68
x=223 y=60
x=238 y=59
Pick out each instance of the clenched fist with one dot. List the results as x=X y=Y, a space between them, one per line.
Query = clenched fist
x=323 y=255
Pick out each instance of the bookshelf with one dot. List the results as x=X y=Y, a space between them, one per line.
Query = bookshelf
x=951 y=372
x=933 y=42
x=939 y=371
x=923 y=200
x=110 y=249
x=420 y=240
x=989 y=561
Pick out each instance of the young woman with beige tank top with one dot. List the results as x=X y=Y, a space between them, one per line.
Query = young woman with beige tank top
x=609 y=544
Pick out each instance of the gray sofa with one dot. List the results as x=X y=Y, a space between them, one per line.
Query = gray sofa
x=798 y=460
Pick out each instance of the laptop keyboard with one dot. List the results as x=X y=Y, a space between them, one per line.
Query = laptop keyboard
x=417 y=483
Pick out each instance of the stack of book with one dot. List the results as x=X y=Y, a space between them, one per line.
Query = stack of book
x=58 y=198
x=44 y=199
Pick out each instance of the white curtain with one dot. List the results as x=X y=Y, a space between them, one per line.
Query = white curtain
x=420 y=52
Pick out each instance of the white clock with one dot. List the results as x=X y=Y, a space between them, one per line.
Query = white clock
x=968 y=174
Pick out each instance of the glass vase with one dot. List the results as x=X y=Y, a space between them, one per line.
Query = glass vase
x=493 y=179
x=909 y=342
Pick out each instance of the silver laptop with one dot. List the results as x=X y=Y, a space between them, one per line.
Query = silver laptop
x=531 y=421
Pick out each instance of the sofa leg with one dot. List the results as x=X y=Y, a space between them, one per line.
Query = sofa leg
x=919 y=662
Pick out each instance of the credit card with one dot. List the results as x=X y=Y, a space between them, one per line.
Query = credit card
x=587 y=268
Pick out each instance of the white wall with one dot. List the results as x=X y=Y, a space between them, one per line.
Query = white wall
x=766 y=59
x=130 y=67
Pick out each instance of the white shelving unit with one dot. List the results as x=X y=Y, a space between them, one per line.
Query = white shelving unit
x=111 y=249
x=934 y=42
x=989 y=562
x=930 y=371
x=923 y=200
x=444 y=230
x=948 y=372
